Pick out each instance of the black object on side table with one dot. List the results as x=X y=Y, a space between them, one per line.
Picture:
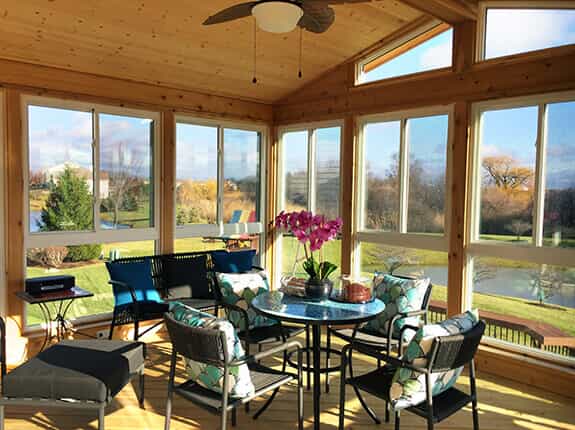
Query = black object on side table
x=63 y=300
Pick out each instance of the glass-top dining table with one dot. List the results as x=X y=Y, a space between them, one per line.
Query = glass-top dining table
x=327 y=312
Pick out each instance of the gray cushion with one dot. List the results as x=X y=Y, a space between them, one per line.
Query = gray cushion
x=94 y=370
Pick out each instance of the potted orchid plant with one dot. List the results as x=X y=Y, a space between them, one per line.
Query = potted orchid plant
x=312 y=231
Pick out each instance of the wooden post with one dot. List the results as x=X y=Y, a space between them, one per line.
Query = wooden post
x=168 y=183
x=348 y=197
x=271 y=201
x=463 y=53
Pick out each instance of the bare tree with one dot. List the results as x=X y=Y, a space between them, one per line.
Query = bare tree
x=546 y=282
x=482 y=272
x=393 y=258
x=505 y=173
x=518 y=228
x=123 y=179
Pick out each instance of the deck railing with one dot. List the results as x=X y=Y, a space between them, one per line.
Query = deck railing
x=504 y=330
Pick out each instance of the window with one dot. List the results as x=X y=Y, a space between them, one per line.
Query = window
x=219 y=185
x=503 y=28
x=429 y=48
x=91 y=193
x=523 y=220
x=402 y=207
x=2 y=222
x=404 y=164
x=310 y=180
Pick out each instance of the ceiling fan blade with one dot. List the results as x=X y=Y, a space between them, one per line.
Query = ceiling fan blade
x=317 y=17
x=336 y=2
x=235 y=12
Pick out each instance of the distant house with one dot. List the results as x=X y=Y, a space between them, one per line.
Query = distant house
x=54 y=173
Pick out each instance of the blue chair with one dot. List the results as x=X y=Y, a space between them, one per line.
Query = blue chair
x=236 y=217
x=136 y=298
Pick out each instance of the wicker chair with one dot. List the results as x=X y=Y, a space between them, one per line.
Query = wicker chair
x=448 y=353
x=209 y=346
x=359 y=335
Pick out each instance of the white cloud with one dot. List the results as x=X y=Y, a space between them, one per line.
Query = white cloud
x=436 y=57
x=510 y=32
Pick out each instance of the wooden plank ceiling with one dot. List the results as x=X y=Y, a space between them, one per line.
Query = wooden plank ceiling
x=164 y=42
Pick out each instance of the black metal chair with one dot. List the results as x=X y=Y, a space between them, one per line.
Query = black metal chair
x=209 y=346
x=360 y=335
x=447 y=353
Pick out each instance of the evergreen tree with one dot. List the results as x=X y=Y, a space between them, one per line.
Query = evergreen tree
x=70 y=208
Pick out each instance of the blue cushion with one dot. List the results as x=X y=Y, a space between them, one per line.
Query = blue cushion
x=233 y=262
x=138 y=275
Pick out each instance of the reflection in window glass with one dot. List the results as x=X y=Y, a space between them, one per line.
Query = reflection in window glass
x=523 y=302
x=61 y=173
x=196 y=174
x=427 y=143
x=241 y=176
x=126 y=172
x=382 y=146
x=327 y=180
x=90 y=273
x=293 y=256
x=505 y=32
x=435 y=53
x=295 y=155
x=508 y=152
x=559 y=215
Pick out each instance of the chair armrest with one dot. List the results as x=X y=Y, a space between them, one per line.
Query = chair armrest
x=261 y=269
x=292 y=345
x=126 y=287
x=394 y=361
x=242 y=311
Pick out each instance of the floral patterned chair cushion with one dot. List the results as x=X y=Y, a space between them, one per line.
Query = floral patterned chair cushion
x=240 y=289
x=408 y=386
x=399 y=295
x=207 y=375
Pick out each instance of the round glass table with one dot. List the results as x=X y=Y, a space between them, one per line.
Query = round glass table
x=282 y=307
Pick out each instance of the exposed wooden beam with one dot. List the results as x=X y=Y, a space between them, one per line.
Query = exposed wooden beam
x=347 y=193
x=167 y=182
x=271 y=207
x=450 y=11
x=545 y=71
x=51 y=81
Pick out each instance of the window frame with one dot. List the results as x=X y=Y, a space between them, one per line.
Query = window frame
x=3 y=254
x=533 y=252
x=221 y=229
x=481 y=33
x=401 y=238
x=397 y=43
x=97 y=235
x=310 y=128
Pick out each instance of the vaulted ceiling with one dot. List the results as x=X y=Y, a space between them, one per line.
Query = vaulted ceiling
x=164 y=42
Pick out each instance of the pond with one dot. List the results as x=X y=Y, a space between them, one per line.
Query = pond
x=511 y=282
x=36 y=217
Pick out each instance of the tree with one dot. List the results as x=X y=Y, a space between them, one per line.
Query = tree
x=393 y=258
x=546 y=281
x=504 y=173
x=124 y=182
x=518 y=228
x=70 y=207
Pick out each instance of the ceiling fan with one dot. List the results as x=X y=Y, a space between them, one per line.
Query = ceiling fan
x=282 y=16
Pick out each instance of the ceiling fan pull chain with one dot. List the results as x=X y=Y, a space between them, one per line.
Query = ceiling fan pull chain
x=300 y=74
x=255 y=79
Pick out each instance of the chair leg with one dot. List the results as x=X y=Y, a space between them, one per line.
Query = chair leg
x=247 y=406
x=327 y=359
x=387 y=412
x=342 y=390
x=111 y=334
x=141 y=384
x=299 y=392
x=234 y=417
x=266 y=404
x=397 y=420
x=101 y=417
x=136 y=330
x=1 y=417
x=365 y=406
x=224 y=420
x=308 y=356
x=473 y=387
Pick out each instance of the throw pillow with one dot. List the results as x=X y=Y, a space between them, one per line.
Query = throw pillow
x=188 y=276
x=210 y=376
x=400 y=295
x=240 y=289
x=137 y=275
x=233 y=262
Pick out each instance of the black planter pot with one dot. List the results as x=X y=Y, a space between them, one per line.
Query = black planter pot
x=318 y=289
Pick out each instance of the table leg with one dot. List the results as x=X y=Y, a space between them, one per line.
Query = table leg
x=48 y=322
x=316 y=341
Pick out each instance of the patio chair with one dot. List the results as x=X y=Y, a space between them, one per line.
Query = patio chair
x=210 y=350
x=73 y=374
x=377 y=334
x=423 y=380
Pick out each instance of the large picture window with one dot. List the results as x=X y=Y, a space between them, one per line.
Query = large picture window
x=502 y=27
x=523 y=220
x=309 y=180
x=219 y=185
x=91 y=193
x=402 y=207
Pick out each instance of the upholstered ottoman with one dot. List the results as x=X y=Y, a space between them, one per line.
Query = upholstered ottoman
x=83 y=374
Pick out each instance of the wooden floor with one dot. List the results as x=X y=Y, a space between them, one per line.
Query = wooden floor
x=503 y=405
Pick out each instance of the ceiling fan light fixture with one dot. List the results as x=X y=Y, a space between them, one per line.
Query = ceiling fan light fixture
x=277 y=16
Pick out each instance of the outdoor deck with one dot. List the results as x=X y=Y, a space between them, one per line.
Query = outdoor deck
x=503 y=405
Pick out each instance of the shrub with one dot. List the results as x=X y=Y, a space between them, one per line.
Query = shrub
x=84 y=253
x=52 y=256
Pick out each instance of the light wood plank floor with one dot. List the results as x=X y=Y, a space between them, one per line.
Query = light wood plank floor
x=503 y=405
